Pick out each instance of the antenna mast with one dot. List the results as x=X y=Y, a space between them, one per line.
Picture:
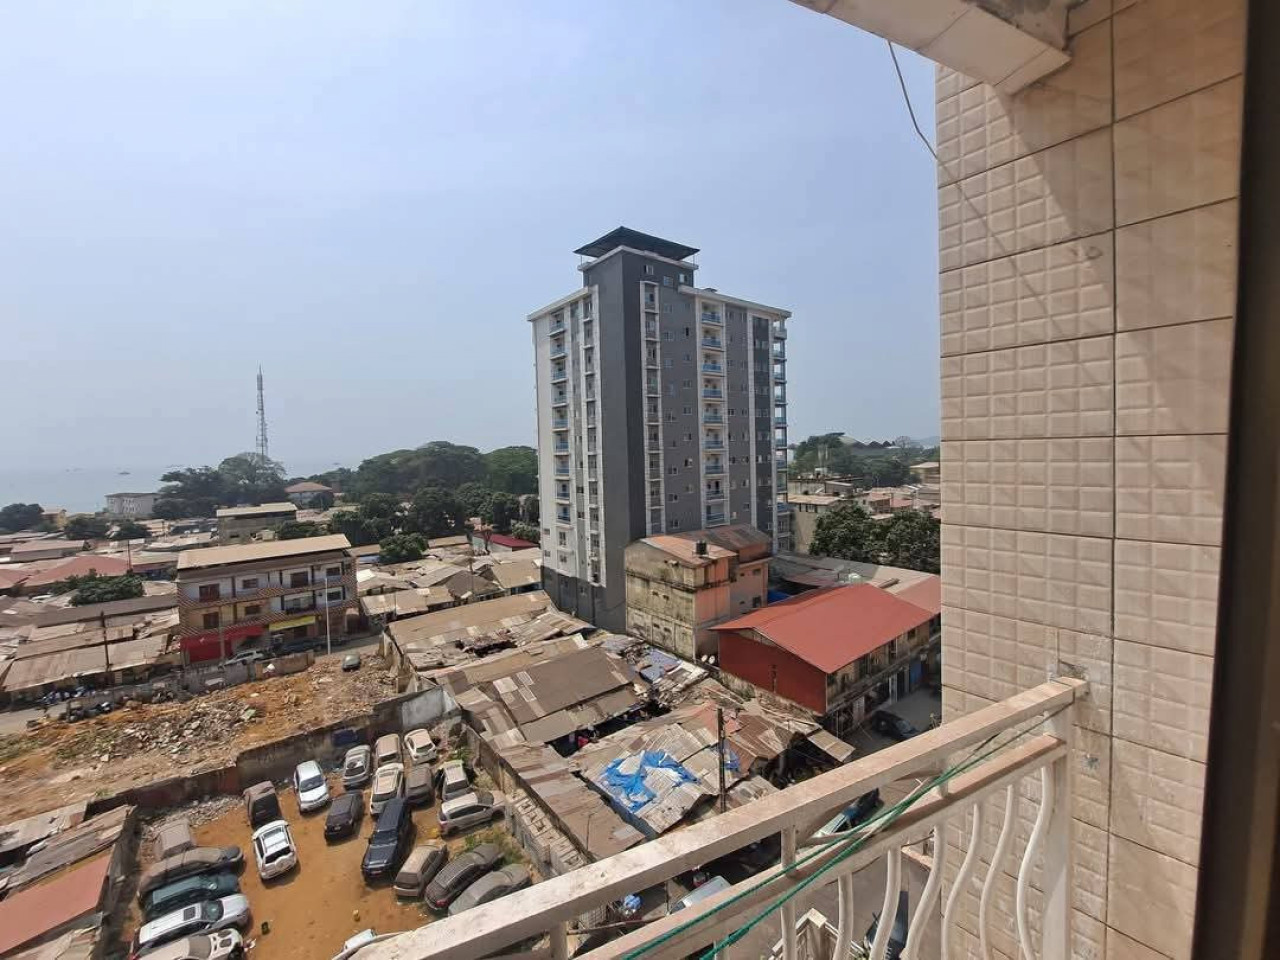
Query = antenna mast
x=263 y=455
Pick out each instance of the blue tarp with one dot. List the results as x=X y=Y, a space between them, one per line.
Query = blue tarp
x=630 y=788
x=775 y=595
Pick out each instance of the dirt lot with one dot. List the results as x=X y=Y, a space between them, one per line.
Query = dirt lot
x=61 y=763
x=316 y=907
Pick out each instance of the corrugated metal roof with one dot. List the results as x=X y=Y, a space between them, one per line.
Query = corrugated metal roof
x=833 y=627
x=270 y=550
x=489 y=613
x=36 y=911
x=257 y=510
x=82 y=662
x=25 y=832
x=71 y=845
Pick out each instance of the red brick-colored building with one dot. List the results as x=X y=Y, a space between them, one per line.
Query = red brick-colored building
x=839 y=652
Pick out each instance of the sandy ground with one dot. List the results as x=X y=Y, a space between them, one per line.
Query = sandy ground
x=315 y=908
x=61 y=763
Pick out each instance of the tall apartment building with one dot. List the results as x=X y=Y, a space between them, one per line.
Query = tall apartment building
x=661 y=407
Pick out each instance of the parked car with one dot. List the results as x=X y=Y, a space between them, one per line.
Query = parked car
x=274 y=849
x=892 y=725
x=419 y=746
x=246 y=656
x=459 y=874
x=491 y=886
x=388 y=784
x=419 y=785
x=310 y=786
x=357 y=767
x=418 y=869
x=453 y=780
x=470 y=809
x=350 y=662
x=898 y=935
x=387 y=750
x=223 y=945
x=189 y=863
x=206 y=917
x=389 y=842
x=713 y=886
x=172 y=838
x=188 y=890
x=851 y=816
x=261 y=804
x=344 y=816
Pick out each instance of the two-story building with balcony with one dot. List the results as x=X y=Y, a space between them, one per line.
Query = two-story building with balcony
x=269 y=592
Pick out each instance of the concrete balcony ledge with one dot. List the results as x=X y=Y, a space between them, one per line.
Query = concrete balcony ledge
x=1005 y=43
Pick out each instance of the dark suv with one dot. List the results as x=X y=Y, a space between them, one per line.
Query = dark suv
x=465 y=869
x=891 y=725
x=390 y=841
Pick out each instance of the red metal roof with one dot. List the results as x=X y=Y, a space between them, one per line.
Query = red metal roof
x=31 y=913
x=832 y=628
x=79 y=567
x=926 y=594
x=514 y=543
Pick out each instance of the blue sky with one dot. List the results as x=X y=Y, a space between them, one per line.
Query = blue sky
x=368 y=199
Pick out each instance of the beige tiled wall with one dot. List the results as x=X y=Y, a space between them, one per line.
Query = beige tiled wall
x=1087 y=252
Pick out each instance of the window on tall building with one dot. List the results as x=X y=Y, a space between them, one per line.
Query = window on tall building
x=666 y=281
x=684 y=278
x=673 y=497
x=211 y=621
x=648 y=269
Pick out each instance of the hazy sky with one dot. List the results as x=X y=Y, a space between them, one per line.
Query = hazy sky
x=368 y=199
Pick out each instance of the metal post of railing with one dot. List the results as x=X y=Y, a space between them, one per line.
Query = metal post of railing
x=788 y=836
x=1057 y=871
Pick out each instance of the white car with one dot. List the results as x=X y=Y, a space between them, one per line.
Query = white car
x=471 y=809
x=420 y=747
x=223 y=945
x=310 y=786
x=274 y=850
x=388 y=783
x=206 y=917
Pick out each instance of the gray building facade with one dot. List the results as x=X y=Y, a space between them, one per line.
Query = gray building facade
x=661 y=408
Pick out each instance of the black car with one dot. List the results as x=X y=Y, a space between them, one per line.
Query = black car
x=892 y=725
x=390 y=841
x=344 y=816
x=187 y=892
x=465 y=869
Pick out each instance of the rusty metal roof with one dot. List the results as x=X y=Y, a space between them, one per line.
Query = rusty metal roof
x=32 y=913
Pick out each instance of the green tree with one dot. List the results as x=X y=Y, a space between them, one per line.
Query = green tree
x=886 y=471
x=322 y=500
x=95 y=589
x=513 y=469
x=472 y=497
x=526 y=531
x=190 y=492
x=434 y=512
x=911 y=539
x=382 y=508
x=251 y=478
x=298 y=529
x=84 y=526
x=500 y=510
x=401 y=548
x=847 y=532
x=20 y=516
x=361 y=531
x=531 y=508
x=130 y=530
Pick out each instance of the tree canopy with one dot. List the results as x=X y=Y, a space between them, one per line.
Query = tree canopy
x=512 y=470
x=526 y=531
x=401 y=548
x=500 y=511
x=878 y=463
x=299 y=529
x=95 y=589
x=434 y=512
x=84 y=526
x=908 y=539
x=245 y=478
x=20 y=516
x=130 y=530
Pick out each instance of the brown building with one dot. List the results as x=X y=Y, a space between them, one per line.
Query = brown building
x=680 y=585
x=236 y=524
x=279 y=590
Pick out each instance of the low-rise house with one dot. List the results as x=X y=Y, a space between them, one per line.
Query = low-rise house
x=806 y=510
x=498 y=542
x=236 y=524
x=81 y=565
x=839 y=652
x=306 y=492
x=284 y=590
x=929 y=472
x=679 y=586
x=47 y=548
x=131 y=506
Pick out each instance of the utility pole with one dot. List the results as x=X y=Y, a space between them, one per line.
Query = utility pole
x=328 y=636
x=720 y=737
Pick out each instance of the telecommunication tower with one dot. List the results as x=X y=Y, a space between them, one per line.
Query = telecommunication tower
x=263 y=454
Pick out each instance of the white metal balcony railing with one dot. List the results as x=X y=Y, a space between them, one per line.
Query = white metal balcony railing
x=983 y=758
x=709 y=317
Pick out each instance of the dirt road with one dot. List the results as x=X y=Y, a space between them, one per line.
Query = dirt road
x=316 y=907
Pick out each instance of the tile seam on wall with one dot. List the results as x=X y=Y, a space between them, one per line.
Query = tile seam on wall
x=1093 y=336
x=1182 y=96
